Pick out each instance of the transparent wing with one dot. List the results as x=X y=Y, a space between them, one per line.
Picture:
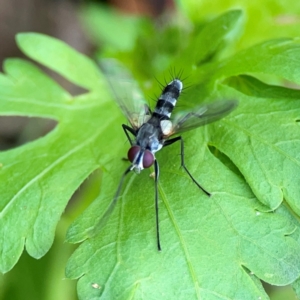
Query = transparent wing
x=126 y=92
x=201 y=115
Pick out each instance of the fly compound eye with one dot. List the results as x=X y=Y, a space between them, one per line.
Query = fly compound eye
x=132 y=152
x=148 y=159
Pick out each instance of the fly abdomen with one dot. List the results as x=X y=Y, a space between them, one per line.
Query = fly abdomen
x=168 y=99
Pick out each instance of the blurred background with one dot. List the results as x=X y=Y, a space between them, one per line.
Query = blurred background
x=44 y=279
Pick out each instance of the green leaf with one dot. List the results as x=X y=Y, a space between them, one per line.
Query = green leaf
x=270 y=154
x=275 y=58
x=205 y=241
x=215 y=35
x=231 y=234
x=296 y=287
x=34 y=195
x=109 y=28
x=61 y=58
x=212 y=247
x=264 y=19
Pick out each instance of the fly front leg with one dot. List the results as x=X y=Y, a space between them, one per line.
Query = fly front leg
x=126 y=128
x=179 y=138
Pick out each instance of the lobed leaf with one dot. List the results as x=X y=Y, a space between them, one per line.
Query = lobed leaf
x=212 y=248
x=41 y=176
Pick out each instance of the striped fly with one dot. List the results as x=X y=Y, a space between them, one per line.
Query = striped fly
x=150 y=131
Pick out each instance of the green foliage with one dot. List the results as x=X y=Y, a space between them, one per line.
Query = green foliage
x=264 y=19
x=103 y=26
x=212 y=248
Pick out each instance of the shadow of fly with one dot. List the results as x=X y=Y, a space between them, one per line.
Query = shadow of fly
x=150 y=131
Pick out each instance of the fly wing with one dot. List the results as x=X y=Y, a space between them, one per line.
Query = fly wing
x=201 y=115
x=126 y=92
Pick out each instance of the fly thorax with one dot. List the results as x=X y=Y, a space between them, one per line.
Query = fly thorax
x=144 y=132
x=154 y=144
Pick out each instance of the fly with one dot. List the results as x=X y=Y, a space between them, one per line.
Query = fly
x=150 y=131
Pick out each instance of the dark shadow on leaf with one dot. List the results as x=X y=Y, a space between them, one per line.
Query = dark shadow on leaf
x=285 y=292
x=86 y=193
x=265 y=285
x=211 y=56
x=225 y=160
x=251 y=86
x=72 y=88
x=16 y=131
x=247 y=270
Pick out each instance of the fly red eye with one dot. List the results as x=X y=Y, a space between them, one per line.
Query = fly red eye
x=132 y=152
x=148 y=159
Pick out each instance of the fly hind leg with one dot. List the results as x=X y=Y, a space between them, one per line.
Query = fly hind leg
x=176 y=139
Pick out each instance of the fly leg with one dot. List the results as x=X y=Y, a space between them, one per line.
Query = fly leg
x=102 y=221
x=131 y=130
x=156 y=170
x=179 y=138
